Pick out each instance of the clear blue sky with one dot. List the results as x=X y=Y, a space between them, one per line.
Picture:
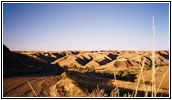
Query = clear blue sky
x=85 y=26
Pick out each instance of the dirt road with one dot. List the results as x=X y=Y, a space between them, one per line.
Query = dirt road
x=19 y=87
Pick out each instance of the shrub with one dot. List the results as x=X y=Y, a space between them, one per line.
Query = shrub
x=65 y=67
x=92 y=68
x=56 y=78
x=119 y=73
x=83 y=70
x=75 y=67
x=148 y=67
x=167 y=64
x=97 y=93
x=141 y=81
x=125 y=73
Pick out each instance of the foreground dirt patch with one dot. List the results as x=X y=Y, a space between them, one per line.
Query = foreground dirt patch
x=87 y=74
x=19 y=87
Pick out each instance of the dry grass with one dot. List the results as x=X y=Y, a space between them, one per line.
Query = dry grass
x=161 y=81
x=75 y=84
x=97 y=93
x=153 y=63
x=115 y=92
x=85 y=83
x=141 y=71
x=32 y=88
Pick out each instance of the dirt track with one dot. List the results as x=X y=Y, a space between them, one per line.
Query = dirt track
x=17 y=84
x=19 y=87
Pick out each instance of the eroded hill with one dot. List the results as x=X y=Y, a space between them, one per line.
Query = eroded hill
x=21 y=64
x=86 y=73
x=101 y=60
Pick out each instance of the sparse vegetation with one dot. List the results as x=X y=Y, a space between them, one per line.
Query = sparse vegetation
x=88 y=81
x=141 y=81
x=80 y=69
x=123 y=73
x=56 y=78
x=149 y=66
x=97 y=93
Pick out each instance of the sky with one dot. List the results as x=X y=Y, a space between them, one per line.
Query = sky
x=85 y=26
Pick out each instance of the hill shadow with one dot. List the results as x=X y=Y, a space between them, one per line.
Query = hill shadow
x=148 y=59
x=167 y=51
x=48 y=58
x=113 y=57
x=15 y=64
x=75 y=52
x=130 y=77
x=163 y=55
x=58 y=56
x=83 y=61
x=89 y=82
x=104 y=61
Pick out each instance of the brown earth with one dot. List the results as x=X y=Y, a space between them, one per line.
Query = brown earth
x=42 y=70
x=100 y=60
x=72 y=84
x=19 y=87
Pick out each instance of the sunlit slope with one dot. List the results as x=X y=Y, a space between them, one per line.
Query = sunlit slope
x=101 y=59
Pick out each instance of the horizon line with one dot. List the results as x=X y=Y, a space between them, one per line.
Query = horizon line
x=80 y=50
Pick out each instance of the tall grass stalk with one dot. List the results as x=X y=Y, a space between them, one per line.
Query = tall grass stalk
x=156 y=69
x=116 y=83
x=161 y=82
x=32 y=88
x=140 y=76
x=146 y=94
x=153 y=62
